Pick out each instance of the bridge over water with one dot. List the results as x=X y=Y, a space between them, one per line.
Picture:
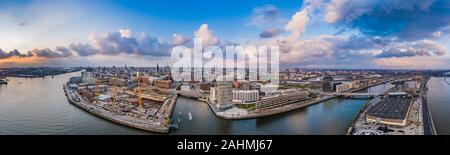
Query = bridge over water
x=359 y=95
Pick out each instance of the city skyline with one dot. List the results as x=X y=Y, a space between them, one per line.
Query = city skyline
x=336 y=34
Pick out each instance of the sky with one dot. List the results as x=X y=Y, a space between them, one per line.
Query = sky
x=337 y=34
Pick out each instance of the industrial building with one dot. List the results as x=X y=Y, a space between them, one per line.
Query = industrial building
x=392 y=110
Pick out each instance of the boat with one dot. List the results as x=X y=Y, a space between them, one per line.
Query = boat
x=190 y=116
x=203 y=99
x=3 y=81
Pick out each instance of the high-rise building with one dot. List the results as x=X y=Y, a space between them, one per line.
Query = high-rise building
x=327 y=83
x=88 y=76
x=157 y=69
x=235 y=68
x=222 y=94
x=257 y=66
x=247 y=68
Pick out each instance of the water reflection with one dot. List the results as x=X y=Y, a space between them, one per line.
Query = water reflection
x=330 y=117
x=439 y=103
x=38 y=106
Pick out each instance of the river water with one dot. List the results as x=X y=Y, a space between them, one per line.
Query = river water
x=439 y=103
x=38 y=106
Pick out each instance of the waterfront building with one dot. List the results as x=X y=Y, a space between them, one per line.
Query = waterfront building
x=76 y=80
x=222 y=94
x=88 y=77
x=244 y=96
x=393 y=110
x=343 y=87
x=276 y=92
x=327 y=84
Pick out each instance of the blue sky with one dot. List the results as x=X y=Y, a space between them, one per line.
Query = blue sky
x=313 y=33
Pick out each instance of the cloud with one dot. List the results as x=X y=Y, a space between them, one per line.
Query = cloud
x=297 y=25
x=411 y=62
x=271 y=32
x=421 y=48
x=264 y=15
x=122 y=41
x=407 y=20
x=367 y=47
x=58 y=52
x=179 y=40
x=83 y=49
x=115 y=42
x=110 y=43
x=206 y=35
x=153 y=46
x=13 y=53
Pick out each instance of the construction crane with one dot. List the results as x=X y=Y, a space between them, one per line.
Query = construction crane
x=138 y=91
x=114 y=90
x=96 y=90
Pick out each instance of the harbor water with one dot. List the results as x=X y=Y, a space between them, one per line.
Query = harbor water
x=439 y=103
x=39 y=106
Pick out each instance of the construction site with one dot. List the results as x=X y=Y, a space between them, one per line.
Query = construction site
x=137 y=102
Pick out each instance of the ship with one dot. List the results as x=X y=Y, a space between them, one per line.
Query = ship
x=3 y=81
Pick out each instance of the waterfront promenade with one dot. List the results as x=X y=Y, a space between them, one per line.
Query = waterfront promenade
x=428 y=123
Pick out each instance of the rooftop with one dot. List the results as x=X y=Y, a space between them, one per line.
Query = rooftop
x=391 y=108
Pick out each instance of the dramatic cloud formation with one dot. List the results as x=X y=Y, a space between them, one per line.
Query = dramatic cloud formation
x=322 y=33
x=58 y=52
x=421 y=48
x=385 y=31
x=83 y=49
x=124 y=41
x=298 y=23
x=13 y=53
x=408 y=20
x=109 y=43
